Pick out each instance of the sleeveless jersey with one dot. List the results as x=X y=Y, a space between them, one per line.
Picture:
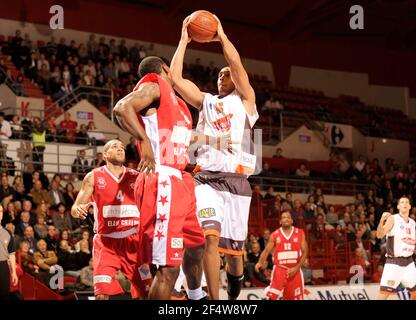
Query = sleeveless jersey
x=401 y=239
x=169 y=128
x=287 y=250
x=227 y=117
x=115 y=209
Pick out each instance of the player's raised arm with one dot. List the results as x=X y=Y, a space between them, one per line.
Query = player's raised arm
x=239 y=75
x=82 y=202
x=126 y=112
x=385 y=225
x=263 y=257
x=186 y=88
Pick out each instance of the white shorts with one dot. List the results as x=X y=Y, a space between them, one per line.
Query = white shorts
x=223 y=205
x=398 y=271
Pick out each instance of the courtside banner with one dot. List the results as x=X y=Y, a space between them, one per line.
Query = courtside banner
x=329 y=293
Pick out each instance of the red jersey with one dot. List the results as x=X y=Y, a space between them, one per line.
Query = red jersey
x=115 y=209
x=70 y=126
x=169 y=128
x=287 y=249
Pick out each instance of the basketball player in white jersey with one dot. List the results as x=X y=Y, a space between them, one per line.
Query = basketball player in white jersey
x=222 y=191
x=401 y=244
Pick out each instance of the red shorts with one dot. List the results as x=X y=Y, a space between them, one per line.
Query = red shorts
x=110 y=256
x=168 y=221
x=282 y=286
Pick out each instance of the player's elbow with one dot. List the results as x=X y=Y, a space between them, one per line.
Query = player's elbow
x=120 y=109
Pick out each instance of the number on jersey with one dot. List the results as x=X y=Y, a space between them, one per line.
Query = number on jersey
x=288 y=246
x=120 y=196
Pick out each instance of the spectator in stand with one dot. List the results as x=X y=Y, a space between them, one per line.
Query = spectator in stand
x=29 y=236
x=350 y=232
x=380 y=208
x=90 y=66
x=377 y=275
x=6 y=190
x=276 y=208
x=44 y=259
x=264 y=239
x=39 y=194
x=298 y=214
x=332 y=217
x=370 y=199
x=302 y=172
x=61 y=219
x=80 y=166
x=252 y=259
x=68 y=127
x=38 y=142
x=360 y=260
x=44 y=77
x=85 y=236
x=41 y=229
x=27 y=260
x=16 y=127
x=55 y=195
x=68 y=259
x=69 y=195
x=358 y=243
x=289 y=199
x=278 y=154
x=375 y=242
x=321 y=203
x=98 y=161
x=42 y=61
x=346 y=219
x=22 y=223
x=10 y=215
x=310 y=210
x=94 y=135
x=359 y=169
x=257 y=197
x=82 y=135
x=5 y=129
x=339 y=238
x=270 y=194
x=359 y=199
x=51 y=238
x=131 y=151
x=87 y=276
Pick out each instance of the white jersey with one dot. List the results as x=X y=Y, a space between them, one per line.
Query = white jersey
x=401 y=240
x=227 y=117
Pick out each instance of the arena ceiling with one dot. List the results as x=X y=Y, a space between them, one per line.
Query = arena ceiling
x=390 y=22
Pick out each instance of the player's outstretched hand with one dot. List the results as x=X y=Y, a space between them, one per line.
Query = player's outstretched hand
x=147 y=162
x=82 y=210
x=220 y=31
x=185 y=36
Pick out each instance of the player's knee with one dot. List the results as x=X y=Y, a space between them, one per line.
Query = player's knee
x=212 y=243
x=168 y=274
x=235 y=283
x=195 y=253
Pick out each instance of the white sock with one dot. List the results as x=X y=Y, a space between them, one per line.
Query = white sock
x=196 y=294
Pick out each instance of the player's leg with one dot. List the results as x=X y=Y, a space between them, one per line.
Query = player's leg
x=234 y=231
x=163 y=283
x=294 y=287
x=390 y=280
x=134 y=270
x=278 y=281
x=409 y=279
x=106 y=265
x=210 y=209
x=235 y=275
x=193 y=242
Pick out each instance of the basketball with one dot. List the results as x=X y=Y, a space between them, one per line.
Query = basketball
x=202 y=26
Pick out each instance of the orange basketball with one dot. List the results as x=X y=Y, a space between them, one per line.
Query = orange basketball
x=202 y=26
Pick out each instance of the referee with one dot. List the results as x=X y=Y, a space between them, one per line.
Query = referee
x=7 y=253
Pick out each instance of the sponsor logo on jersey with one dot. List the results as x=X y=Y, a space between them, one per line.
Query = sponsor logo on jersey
x=218 y=107
x=176 y=243
x=121 y=211
x=101 y=183
x=102 y=279
x=176 y=256
x=223 y=124
x=391 y=283
x=206 y=213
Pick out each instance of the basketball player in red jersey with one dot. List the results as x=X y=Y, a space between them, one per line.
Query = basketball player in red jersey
x=290 y=252
x=162 y=125
x=223 y=192
x=110 y=189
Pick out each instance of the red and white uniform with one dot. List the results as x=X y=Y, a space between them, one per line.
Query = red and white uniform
x=287 y=253
x=166 y=200
x=116 y=242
